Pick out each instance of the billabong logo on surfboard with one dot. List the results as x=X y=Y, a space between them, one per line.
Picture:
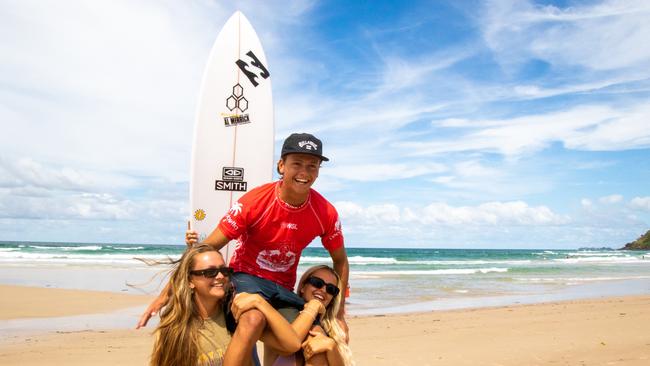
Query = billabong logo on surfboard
x=238 y=104
x=232 y=179
x=252 y=77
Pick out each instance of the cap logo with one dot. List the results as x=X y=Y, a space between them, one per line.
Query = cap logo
x=308 y=145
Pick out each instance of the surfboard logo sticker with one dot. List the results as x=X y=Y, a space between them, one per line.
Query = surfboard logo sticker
x=233 y=173
x=236 y=100
x=256 y=63
x=232 y=179
x=199 y=215
x=238 y=104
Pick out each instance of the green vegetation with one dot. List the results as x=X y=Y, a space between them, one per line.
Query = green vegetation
x=642 y=243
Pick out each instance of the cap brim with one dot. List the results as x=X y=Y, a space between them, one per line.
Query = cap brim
x=322 y=158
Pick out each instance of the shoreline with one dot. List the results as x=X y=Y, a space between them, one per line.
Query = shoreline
x=609 y=330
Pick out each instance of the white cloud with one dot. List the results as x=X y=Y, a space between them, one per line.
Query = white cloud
x=626 y=129
x=384 y=171
x=491 y=213
x=26 y=172
x=611 y=199
x=642 y=203
x=590 y=127
x=57 y=205
x=475 y=169
x=588 y=34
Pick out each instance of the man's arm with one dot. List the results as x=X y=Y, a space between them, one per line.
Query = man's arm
x=342 y=267
x=216 y=239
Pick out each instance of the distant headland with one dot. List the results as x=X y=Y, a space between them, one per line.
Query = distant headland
x=642 y=243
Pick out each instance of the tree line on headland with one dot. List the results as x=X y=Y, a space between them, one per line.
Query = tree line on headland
x=642 y=243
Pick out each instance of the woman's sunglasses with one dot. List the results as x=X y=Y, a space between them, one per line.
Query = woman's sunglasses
x=212 y=272
x=319 y=283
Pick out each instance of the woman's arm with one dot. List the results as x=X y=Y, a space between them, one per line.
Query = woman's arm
x=301 y=326
x=317 y=343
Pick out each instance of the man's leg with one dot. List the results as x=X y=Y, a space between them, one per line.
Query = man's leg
x=249 y=330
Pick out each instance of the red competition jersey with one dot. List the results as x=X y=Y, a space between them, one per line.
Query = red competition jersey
x=271 y=234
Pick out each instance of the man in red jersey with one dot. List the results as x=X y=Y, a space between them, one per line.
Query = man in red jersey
x=273 y=223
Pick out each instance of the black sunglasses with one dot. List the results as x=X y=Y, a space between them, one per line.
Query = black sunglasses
x=319 y=283
x=212 y=272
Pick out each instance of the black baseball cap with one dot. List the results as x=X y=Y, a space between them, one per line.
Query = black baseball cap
x=303 y=143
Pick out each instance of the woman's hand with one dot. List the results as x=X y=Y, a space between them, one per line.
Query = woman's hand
x=152 y=310
x=316 y=306
x=243 y=302
x=317 y=343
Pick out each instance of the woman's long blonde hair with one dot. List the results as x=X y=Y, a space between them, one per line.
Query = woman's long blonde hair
x=176 y=336
x=328 y=321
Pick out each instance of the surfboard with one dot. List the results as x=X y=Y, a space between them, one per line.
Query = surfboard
x=232 y=149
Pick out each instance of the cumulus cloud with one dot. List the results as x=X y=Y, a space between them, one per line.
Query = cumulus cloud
x=641 y=203
x=87 y=206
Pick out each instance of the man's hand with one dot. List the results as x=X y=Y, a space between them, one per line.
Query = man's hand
x=152 y=310
x=191 y=236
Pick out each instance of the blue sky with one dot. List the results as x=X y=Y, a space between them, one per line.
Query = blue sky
x=465 y=124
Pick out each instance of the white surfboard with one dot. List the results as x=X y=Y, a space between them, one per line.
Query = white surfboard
x=233 y=131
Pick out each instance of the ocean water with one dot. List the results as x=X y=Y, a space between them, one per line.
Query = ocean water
x=381 y=280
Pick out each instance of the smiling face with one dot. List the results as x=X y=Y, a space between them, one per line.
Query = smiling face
x=309 y=292
x=209 y=290
x=299 y=172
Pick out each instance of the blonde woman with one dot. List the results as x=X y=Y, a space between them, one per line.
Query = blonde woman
x=325 y=344
x=192 y=329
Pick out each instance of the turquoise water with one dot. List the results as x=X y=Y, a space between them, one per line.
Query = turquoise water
x=382 y=280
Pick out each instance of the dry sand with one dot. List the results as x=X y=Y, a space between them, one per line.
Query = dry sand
x=610 y=331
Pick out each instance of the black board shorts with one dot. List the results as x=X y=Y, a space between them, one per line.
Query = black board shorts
x=286 y=302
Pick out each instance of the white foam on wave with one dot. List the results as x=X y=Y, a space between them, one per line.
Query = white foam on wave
x=546 y=253
x=357 y=260
x=468 y=262
x=455 y=271
x=126 y=248
x=597 y=254
x=65 y=258
x=600 y=259
x=360 y=260
x=580 y=279
x=9 y=249
x=87 y=247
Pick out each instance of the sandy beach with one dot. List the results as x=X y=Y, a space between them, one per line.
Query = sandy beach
x=606 y=331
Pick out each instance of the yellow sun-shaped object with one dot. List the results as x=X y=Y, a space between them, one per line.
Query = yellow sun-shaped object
x=199 y=214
